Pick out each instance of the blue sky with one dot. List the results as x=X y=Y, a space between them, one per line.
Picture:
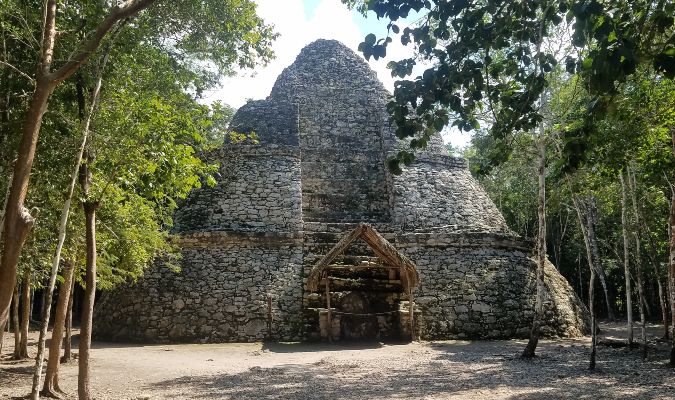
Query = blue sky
x=310 y=6
x=366 y=25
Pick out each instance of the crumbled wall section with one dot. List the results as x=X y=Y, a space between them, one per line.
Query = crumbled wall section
x=317 y=168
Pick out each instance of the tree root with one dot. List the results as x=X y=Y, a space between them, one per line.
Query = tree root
x=52 y=393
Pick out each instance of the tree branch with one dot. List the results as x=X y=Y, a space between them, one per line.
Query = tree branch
x=48 y=38
x=118 y=13
x=25 y=75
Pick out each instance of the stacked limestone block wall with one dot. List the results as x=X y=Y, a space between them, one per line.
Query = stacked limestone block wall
x=438 y=192
x=220 y=294
x=281 y=203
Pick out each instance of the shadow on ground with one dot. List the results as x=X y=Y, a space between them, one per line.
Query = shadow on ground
x=489 y=370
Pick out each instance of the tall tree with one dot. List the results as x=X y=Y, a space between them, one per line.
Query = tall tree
x=638 y=262
x=459 y=40
x=531 y=346
x=626 y=259
x=63 y=225
x=51 y=386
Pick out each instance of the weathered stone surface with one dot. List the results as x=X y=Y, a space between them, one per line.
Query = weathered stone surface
x=282 y=203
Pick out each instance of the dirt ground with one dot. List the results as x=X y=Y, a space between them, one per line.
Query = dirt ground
x=422 y=370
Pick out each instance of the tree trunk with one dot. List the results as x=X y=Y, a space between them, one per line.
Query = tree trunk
x=581 y=216
x=626 y=259
x=83 y=389
x=25 y=315
x=4 y=207
x=586 y=216
x=18 y=220
x=662 y=289
x=591 y=209
x=591 y=309
x=15 y=322
x=67 y=339
x=531 y=347
x=2 y=336
x=89 y=207
x=671 y=260
x=638 y=265
x=51 y=385
x=663 y=302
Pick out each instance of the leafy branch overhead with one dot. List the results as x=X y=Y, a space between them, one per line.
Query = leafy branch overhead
x=486 y=56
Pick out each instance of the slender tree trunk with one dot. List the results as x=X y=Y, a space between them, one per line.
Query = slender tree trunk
x=662 y=289
x=51 y=385
x=663 y=302
x=25 y=315
x=671 y=260
x=594 y=327
x=581 y=279
x=15 y=322
x=581 y=216
x=586 y=217
x=4 y=207
x=591 y=209
x=89 y=207
x=67 y=340
x=83 y=381
x=95 y=95
x=626 y=259
x=638 y=265
x=531 y=347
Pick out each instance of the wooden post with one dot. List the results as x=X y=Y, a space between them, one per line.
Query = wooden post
x=329 y=320
x=269 y=316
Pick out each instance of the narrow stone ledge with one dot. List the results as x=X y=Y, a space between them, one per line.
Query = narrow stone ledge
x=467 y=239
x=207 y=239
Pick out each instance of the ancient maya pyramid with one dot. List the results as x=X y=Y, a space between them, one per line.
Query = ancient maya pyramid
x=282 y=204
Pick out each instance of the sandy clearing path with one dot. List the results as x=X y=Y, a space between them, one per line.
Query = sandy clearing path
x=424 y=370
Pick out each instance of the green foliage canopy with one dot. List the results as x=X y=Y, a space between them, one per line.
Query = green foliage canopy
x=488 y=53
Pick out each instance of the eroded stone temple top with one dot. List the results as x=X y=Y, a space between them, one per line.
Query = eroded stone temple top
x=328 y=110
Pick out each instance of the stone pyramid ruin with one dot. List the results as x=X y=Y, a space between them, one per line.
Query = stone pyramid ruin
x=283 y=204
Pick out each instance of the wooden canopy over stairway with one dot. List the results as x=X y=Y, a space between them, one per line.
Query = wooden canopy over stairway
x=384 y=250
